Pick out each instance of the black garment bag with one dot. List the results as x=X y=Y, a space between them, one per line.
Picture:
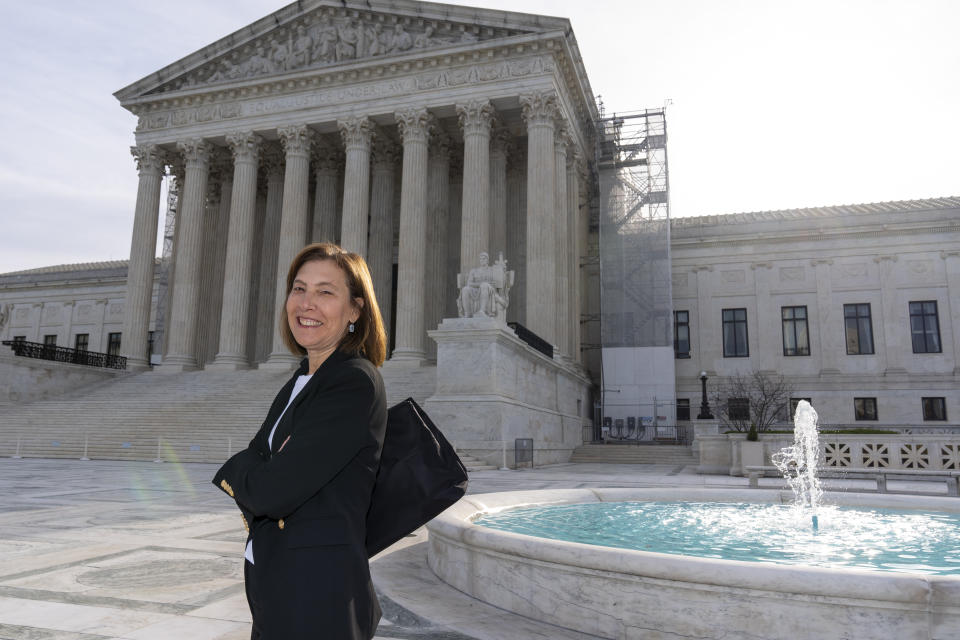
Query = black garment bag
x=420 y=476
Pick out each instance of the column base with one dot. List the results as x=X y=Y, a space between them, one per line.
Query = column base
x=177 y=365
x=228 y=363
x=281 y=361
x=137 y=364
x=407 y=357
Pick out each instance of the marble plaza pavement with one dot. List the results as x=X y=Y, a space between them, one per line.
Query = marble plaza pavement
x=107 y=550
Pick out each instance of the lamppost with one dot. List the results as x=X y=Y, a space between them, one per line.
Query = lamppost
x=704 y=405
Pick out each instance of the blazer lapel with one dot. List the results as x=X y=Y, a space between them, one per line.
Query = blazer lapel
x=286 y=426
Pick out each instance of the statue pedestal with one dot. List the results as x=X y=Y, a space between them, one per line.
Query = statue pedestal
x=493 y=388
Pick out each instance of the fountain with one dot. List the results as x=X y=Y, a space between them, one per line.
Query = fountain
x=714 y=583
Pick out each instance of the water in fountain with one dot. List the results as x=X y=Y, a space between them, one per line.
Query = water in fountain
x=798 y=462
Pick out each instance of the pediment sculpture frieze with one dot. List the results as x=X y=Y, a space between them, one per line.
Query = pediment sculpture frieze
x=327 y=38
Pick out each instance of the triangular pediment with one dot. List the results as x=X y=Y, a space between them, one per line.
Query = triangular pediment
x=329 y=33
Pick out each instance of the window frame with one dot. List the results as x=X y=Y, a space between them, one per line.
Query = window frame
x=685 y=404
x=676 y=333
x=923 y=316
x=858 y=319
x=740 y=403
x=928 y=416
x=746 y=333
x=113 y=348
x=863 y=415
x=794 y=322
x=77 y=342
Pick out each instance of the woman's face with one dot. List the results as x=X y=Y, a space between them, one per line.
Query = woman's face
x=319 y=307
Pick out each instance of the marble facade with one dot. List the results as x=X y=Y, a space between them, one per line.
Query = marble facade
x=406 y=131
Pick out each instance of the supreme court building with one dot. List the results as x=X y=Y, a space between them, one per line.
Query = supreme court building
x=418 y=135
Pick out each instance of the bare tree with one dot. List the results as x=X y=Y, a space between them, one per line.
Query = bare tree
x=752 y=402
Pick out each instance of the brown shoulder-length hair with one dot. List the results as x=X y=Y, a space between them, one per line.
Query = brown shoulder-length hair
x=368 y=339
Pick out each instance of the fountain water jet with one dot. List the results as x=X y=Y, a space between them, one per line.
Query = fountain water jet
x=798 y=462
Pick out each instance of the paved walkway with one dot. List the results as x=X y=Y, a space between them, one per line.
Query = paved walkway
x=142 y=551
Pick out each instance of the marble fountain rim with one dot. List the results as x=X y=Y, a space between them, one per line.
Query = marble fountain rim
x=455 y=526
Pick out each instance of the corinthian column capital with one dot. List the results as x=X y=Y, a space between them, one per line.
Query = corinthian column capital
x=561 y=138
x=196 y=152
x=476 y=117
x=356 y=132
x=296 y=139
x=271 y=157
x=384 y=152
x=150 y=158
x=414 y=124
x=245 y=146
x=539 y=107
x=327 y=157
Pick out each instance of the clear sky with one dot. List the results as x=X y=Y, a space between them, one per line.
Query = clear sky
x=775 y=104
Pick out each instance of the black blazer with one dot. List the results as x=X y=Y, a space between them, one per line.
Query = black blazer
x=306 y=505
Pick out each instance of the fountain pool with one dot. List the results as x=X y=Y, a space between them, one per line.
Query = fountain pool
x=644 y=593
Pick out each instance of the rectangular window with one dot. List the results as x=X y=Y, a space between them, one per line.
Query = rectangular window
x=81 y=341
x=683 y=409
x=50 y=341
x=738 y=409
x=19 y=338
x=859 y=329
x=865 y=408
x=681 y=334
x=796 y=341
x=113 y=344
x=925 y=327
x=735 y=333
x=934 y=408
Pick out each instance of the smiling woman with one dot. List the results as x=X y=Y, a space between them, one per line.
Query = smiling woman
x=305 y=482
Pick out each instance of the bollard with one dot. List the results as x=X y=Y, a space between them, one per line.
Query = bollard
x=159 y=457
x=86 y=443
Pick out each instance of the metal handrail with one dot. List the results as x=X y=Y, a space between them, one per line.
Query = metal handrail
x=532 y=339
x=65 y=354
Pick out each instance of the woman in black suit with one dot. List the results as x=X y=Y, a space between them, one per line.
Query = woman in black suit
x=304 y=483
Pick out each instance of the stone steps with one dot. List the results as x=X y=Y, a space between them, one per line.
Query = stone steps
x=197 y=416
x=634 y=454
x=474 y=464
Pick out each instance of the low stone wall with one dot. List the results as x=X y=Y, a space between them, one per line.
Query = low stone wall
x=730 y=453
x=28 y=379
x=493 y=388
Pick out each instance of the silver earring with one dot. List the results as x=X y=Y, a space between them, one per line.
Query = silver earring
x=350 y=328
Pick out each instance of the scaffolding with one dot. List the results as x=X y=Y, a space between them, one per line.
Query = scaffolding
x=636 y=306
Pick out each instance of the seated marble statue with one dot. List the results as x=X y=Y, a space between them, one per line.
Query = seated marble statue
x=486 y=290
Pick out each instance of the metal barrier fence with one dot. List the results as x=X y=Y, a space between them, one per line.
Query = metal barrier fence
x=64 y=354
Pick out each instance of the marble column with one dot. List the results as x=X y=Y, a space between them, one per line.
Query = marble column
x=539 y=113
x=499 y=149
x=894 y=321
x=266 y=318
x=356 y=133
x=208 y=281
x=439 y=283
x=414 y=126
x=575 y=246
x=184 y=307
x=326 y=162
x=151 y=163
x=707 y=343
x=238 y=264
x=561 y=233
x=951 y=260
x=829 y=325
x=516 y=237
x=453 y=229
x=294 y=228
x=475 y=120
x=260 y=214
x=178 y=175
x=380 y=250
